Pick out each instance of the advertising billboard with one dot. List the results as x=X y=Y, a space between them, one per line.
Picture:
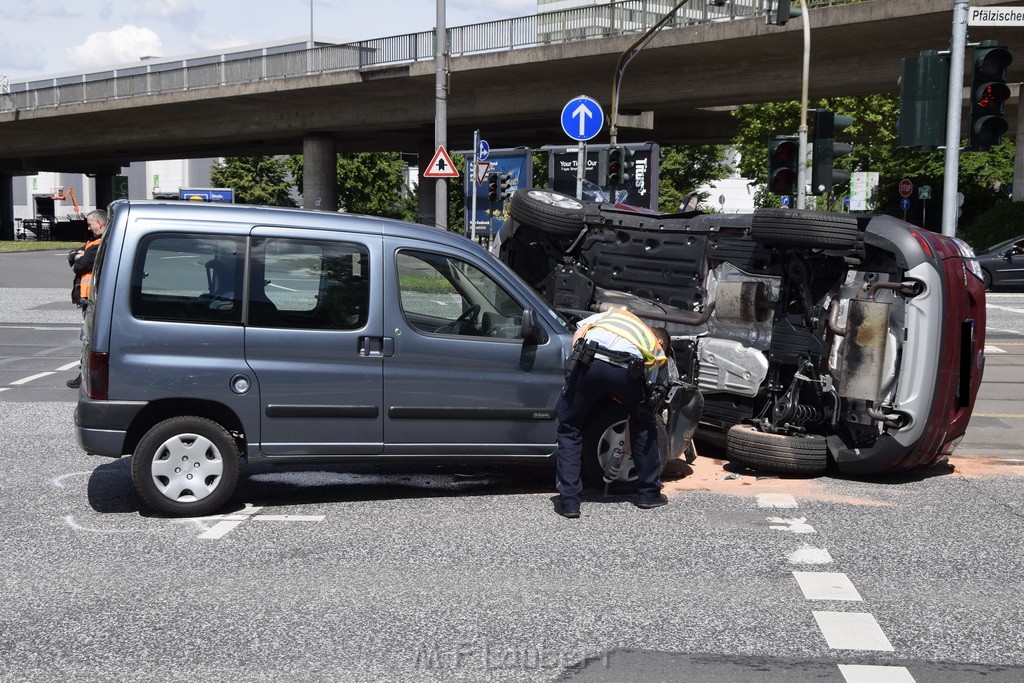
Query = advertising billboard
x=640 y=190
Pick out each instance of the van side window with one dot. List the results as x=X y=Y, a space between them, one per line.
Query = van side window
x=445 y=295
x=309 y=284
x=189 y=278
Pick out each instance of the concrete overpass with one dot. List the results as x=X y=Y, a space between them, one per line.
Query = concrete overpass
x=688 y=77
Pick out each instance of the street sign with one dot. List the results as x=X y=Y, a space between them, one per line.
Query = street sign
x=905 y=203
x=924 y=192
x=785 y=200
x=906 y=187
x=482 y=150
x=441 y=165
x=482 y=168
x=995 y=16
x=582 y=118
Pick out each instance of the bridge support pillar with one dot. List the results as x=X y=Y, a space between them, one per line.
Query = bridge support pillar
x=425 y=209
x=6 y=206
x=319 y=172
x=104 y=189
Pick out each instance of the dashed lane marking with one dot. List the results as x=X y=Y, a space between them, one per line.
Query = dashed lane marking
x=827 y=586
x=26 y=380
x=852 y=631
x=869 y=673
x=807 y=554
x=797 y=525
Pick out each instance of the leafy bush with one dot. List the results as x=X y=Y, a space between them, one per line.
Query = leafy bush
x=1001 y=222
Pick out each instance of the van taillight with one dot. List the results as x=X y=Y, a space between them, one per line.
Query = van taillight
x=97 y=380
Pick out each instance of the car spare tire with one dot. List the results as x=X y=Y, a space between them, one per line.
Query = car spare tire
x=550 y=212
x=802 y=228
x=777 y=453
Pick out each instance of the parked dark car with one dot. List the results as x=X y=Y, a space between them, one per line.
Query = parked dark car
x=816 y=338
x=1002 y=266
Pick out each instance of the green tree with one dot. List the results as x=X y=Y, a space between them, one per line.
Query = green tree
x=682 y=169
x=371 y=183
x=983 y=175
x=255 y=180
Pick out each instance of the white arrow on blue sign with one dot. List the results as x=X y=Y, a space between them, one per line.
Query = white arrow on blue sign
x=483 y=151
x=582 y=118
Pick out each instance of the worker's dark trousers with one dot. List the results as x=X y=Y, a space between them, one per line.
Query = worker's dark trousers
x=582 y=390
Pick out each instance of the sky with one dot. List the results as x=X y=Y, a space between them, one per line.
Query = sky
x=50 y=37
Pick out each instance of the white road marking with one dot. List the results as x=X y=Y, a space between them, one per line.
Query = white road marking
x=807 y=554
x=70 y=521
x=870 y=673
x=226 y=523
x=797 y=525
x=69 y=366
x=993 y=349
x=776 y=500
x=1004 y=308
x=827 y=586
x=25 y=380
x=852 y=631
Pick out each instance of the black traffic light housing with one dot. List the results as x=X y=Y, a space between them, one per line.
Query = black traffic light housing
x=492 y=187
x=989 y=93
x=504 y=186
x=784 y=11
x=825 y=150
x=619 y=163
x=924 y=89
x=783 y=155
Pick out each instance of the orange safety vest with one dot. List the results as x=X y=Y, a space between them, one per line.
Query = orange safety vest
x=85 y=284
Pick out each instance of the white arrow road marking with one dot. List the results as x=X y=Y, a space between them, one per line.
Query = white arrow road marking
x=796 y=525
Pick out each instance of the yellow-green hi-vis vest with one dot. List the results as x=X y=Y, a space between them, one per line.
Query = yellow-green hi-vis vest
x=626 y=325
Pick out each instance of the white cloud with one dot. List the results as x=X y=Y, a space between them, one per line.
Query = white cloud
x=106 y=48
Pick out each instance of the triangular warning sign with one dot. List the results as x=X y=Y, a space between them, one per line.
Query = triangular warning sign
x=441 y=166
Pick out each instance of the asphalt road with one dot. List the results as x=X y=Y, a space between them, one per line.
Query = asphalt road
x=376 y=573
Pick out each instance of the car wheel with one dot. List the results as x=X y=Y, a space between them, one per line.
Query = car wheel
x=550 y=212
x=186 y=466
x=605 y=431
x=761 y=451
x=807 y=229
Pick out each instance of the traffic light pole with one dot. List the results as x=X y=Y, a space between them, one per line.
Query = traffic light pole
x=954 y=103
x=801 y=167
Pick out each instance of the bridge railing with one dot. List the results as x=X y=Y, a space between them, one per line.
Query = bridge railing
x=584 y=23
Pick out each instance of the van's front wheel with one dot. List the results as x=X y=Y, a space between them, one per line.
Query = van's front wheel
x=186 y=466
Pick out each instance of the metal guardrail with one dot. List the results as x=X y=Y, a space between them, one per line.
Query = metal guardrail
x=585 y=23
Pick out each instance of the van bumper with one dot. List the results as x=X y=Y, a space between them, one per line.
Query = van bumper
x=99 y=425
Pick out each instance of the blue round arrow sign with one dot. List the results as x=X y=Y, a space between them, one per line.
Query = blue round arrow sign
x=582 y=118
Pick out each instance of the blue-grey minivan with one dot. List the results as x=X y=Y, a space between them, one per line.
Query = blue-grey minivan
x=217 y=333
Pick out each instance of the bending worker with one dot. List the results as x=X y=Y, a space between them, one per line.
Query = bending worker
x=615 y=355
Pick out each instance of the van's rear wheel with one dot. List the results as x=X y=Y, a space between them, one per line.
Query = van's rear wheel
x=777 y=453
x=605 y=432
x=186 y=466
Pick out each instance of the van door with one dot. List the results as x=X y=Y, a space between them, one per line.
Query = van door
x=463 y=381
x=313 y=340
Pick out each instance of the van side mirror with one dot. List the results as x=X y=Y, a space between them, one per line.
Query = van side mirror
x=533 y=332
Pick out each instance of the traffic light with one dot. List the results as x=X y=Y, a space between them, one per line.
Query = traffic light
x=492 y=187
x=783 y=154
x=988 y=94
x=924 y=87
x=628 y=163
x=614 y=170
x=504 y=186
x=784 y=11
x=824 y=151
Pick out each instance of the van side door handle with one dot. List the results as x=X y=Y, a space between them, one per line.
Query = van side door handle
x=377 y=346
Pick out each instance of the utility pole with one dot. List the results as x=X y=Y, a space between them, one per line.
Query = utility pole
x=954 y=103
x=801 y=167
x=441 y=113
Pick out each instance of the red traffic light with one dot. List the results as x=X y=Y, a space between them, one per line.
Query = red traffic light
x=991 y=96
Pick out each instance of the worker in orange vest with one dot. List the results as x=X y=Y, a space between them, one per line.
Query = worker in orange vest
x=81 y=262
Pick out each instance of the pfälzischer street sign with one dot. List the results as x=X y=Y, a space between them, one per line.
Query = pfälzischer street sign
x=995 y=16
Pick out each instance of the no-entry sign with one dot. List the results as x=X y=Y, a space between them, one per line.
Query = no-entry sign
x=906 y=187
